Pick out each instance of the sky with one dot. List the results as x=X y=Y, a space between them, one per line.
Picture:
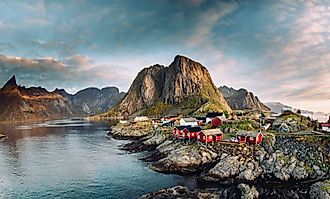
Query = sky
x=279 y=50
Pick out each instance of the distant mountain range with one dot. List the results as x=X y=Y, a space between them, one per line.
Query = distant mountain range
x=184 y=87
x=18 y=103
x=242 y=99
x=277 y=107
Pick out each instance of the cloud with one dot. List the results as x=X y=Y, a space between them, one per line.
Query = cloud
x=207 y=22
x=278 y=49
x=297 y=66
x=73 y=73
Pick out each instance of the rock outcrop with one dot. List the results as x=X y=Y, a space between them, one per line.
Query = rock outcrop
x=289 y=161
x=290 y=122
x=183 y=87
x=280 y=158
x=248 y=192
x=184 y=192
x=242 y=99
x=320 y=190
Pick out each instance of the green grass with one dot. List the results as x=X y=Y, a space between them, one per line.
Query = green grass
x=240 y=125
x=227 y=136
x=326 y=187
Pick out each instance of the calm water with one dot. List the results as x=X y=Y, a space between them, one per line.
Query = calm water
x=72 y=159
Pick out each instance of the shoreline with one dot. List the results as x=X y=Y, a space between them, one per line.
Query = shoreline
x=163 y=155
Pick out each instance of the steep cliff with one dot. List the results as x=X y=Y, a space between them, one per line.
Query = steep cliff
x=18 y=103
x=185 y=86
x=242 y=99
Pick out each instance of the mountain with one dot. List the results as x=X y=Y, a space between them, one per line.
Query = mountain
x=277 y=107
x=18 y=103
x=242 y=99
x=185 y=86
x=93 y=100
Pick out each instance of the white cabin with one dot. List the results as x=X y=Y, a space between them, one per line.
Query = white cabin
x=141 y=119
x=189 y=121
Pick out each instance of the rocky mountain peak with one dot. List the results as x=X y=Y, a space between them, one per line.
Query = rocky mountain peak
x=184 y=81
x=11 y=82
x=184 y=65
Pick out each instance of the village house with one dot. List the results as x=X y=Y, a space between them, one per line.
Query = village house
x=169 y=124
x=191 y=132
x=123 y=121
x=169 y=118
x=210 y=135
x=178 y=131
x=325 y=127
x=201 y=121
x=249 y=137
x=216 y=116
x=141 y=119
x=189 y=121
x=241 y=136
x=216 y=122
x=254 y=138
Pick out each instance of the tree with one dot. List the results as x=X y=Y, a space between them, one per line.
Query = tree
x=299 y=111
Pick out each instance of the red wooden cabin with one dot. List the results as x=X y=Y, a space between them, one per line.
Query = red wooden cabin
x=249 y=137
x=178 y=131
x=215 y=122
x=241 y=136
x=254 y=138
x=210 y=135
x=191 y=132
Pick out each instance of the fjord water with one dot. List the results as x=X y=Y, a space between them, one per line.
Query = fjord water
x=72 y=159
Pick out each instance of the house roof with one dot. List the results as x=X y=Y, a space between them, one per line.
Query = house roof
x=247 y=133
x=212 y=131
x=194 y=129
x=189 y=119
x=171 y=117
x=254 y=134
x=213 y=114
x=242 y=132
x=325 y=124
x=181 y=127
x=201 y=118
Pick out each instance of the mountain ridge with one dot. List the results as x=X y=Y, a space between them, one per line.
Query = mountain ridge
x=242 y=99
x=18 y=103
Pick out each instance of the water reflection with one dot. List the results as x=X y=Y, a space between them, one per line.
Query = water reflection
x=71 y=158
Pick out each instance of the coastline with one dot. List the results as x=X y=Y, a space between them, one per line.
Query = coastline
x=258 y=170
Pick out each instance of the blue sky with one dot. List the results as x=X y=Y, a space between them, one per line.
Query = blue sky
x=280 y=50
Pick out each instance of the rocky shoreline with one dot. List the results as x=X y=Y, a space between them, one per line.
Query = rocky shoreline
x=278 y=161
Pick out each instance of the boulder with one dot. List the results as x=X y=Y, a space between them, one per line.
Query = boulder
x=184 y=159
x=248 y=192
x=320 y=190
x=229 y=166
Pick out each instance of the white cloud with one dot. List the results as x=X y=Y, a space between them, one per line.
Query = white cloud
x=75 y=72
